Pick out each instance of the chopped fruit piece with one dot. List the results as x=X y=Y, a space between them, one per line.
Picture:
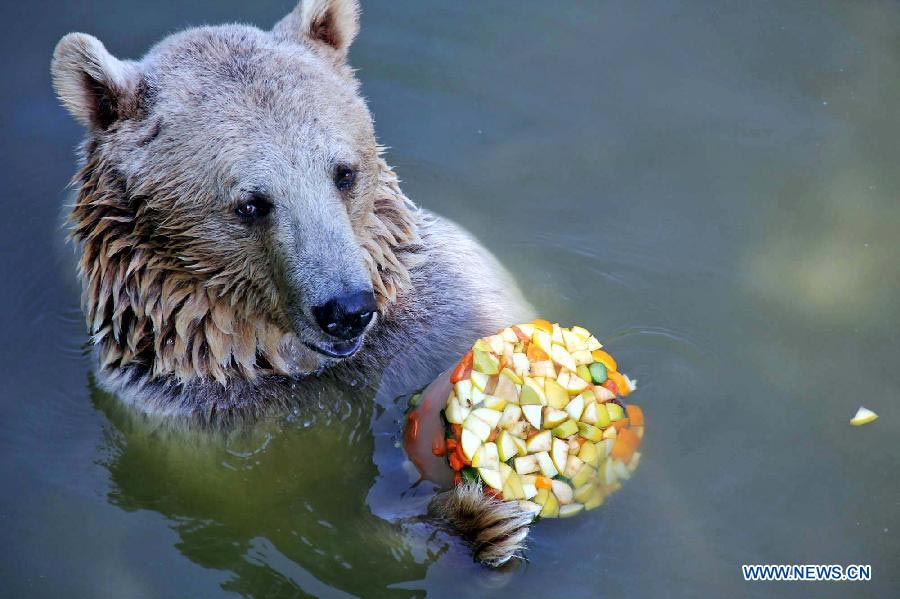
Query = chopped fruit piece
x=583 y=373
x=559 y=355
x=595 y=501
x=509 y=335
x=598 y=373
x=623 y=387
x=526 y=464
x=543 y=482
x=455 y=413
x=532 y=393
x=564 y=493
x=491 y=478
x=582 y=357
x=556 y=335
x=533 y=414
x=573 y=342
x=511 y=414
x=566 y=429
x=521 y=364
x=572 y=383
x=559 y=454
x=566 y=511
x=551 y=507
x=492 y=402
x=863 y=416
x=462 y=369
x=485 y=362
x=591 y=433
x=575 y=407
x=539 y=442
x=635 y=415
x=584 y=474
x=464 y=392
x=573 y=465
x=478 y=427
x=635 y=460
x=542 y=340
x=604 y=358
x=592 y=343
x=477 y=396
x=622 y=450
x=581 y=331
x=553 y=417
x=605 y=447
x=521 y=449
x=486 y=457
x=529 y=490
x=603 y=394
x=543 y=368
x=557 y=396
x=512 y=488
x=615 y=411
x=540 y=323
x=470 y=442
x=546 y=464
x=621 y=470
x=627 y=435
x=589 y=455
x=512 y=376
x=584 y=493
x=535 y=354
x=497 y=344
x=479 y=380
x=506 y=448
x=491 y=417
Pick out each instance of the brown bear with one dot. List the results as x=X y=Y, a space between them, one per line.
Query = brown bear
x=242 y=239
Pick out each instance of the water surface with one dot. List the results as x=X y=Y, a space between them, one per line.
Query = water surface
x=711 y=187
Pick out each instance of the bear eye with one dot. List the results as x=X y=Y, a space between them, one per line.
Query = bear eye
x=344 y=177
x=253 y=206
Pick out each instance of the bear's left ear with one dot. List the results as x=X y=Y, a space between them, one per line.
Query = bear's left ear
x=327 y=25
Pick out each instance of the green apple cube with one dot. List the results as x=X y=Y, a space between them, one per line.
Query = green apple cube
x=582 y=332
x=542 y=340
x=470 y=442
x=455 y=413
x=591 y=433
x=526 y=464
x=584 y=493
x=571 y=382
x=595 y=501
x=477 y=396
x=532 y=393
x=559 y=355
x=492 y=402
x=575 y=407
x=553 y=417
x=609 y=472
x=593 y=344
x=506 y=388
x=539 y=442
x=556 y=334
x=564 y=493
x=491 y=417
x=511 y=414
x=520 y=429
x=567 y=511
x=511 y=375
x=487 y=457
x=509 y=335
x=521 y=448
x=582 y=357
x=506 y=448
x=589 y=455
x=605 y=447
x=464 y=392
x=603 y=394
x=610 y=433
x=584 y=474
x=521 y=364
x=589 y=415
x=573 y=465
x=479 y=380
x=550 y=508
x=513 y=486
x=486 y=362
x=583 y=373
x=602 y=413
x=622 y=471
x=533 y=415
x=566 y=429
x=497 y=343
x=545 y=462
x=477 y=426
x=556 y=394
x=573 y=342
x=615 y=411
x=559 y=453
x=491 y=478
x=544 y=368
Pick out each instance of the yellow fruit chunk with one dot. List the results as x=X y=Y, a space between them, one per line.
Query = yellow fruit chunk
x=863 y=416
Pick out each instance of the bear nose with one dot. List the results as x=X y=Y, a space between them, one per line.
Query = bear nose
x=346 y=316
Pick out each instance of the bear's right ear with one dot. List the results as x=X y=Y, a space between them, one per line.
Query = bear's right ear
x=96 y=87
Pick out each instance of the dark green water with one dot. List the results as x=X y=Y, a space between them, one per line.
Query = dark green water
x=711 y=187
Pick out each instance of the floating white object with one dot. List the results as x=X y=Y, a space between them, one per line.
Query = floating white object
x=863 y=416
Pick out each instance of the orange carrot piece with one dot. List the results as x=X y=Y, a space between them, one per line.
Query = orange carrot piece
x=463 y=369
x=620 y=424
x=542 y=482
x=536 y=354
x=622 y=450
x=635 y=414
x=455 y=462
x=629 y=436
x=521 y=334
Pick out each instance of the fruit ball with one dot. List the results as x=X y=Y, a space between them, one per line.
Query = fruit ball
x=537 y=414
